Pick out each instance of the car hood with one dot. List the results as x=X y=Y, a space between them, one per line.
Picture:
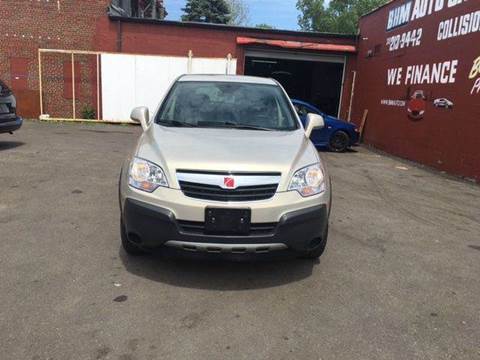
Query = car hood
x=229 y=150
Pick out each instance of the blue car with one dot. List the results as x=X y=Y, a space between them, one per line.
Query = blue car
x=337 y=135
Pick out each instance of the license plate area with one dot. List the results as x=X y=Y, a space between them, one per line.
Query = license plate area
x=227 y=221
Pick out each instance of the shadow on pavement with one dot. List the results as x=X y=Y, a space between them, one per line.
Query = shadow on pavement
x=7 y=145
x=192 y=271
x=350 y=150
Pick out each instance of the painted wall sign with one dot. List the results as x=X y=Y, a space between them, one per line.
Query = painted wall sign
x=404 y=40
x=417 y=9
x=417 y=105
x=459 y=26
x=443 y=103
x=399 y=16
x=438 y=73
x=391 y=102
x=419 y=78
x=475 y=73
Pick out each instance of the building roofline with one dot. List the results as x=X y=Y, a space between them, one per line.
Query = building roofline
x=377 y=9
x=230 y=27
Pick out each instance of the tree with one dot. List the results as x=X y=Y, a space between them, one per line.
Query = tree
x=153 y=9
x=340 y=16
x=210 y=11
x=239 y=12
x=264 y=26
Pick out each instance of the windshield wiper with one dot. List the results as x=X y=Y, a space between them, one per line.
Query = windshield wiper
x=175 y=123
x=234 y=125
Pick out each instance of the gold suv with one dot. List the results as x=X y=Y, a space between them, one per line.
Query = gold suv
x=224 y=165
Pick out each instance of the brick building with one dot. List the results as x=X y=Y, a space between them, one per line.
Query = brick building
x=64 y=24
x=418 y=72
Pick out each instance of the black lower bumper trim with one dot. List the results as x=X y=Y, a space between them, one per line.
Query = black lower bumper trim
x=152 y=227
x=11 y=125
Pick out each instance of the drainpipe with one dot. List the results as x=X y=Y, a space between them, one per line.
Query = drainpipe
x=119 y=36
x=352 y=93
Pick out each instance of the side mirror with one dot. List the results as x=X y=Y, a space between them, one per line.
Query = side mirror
x=141 y=115
x=314 y=121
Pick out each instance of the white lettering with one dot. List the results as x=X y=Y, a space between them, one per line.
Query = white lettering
x=426 y=75
x=390 y=102
x=452 y=3
x=453 y=71
x=436 y=68
x=459 y=26
x=419 y=9
x=439 y=5
x=438 y=73
x=399 y=15
x=408 y=77
x=440 y=31
x=444 y=74
x=394 y=76
x=417 y=76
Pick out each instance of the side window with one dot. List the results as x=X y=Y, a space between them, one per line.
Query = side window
x=301 y=110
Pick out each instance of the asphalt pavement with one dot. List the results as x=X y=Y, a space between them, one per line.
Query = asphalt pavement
x=400 y=278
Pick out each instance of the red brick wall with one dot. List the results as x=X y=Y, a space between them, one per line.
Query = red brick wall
x=27 y=25
x=446 y=139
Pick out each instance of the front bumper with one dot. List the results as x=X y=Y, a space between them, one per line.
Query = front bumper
x=151 y=227
x=9 y=125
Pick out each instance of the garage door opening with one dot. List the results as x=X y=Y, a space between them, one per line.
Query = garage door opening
x=317 y=82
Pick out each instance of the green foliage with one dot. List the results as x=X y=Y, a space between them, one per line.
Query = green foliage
x=340 y=16
x=88 y=112
x=264 y=26
x=210 y=11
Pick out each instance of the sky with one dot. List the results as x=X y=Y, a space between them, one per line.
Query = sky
x=282 y=14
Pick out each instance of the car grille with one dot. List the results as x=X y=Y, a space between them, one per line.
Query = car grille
x=198 y=228
x=216 y=193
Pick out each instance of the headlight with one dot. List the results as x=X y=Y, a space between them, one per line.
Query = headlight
x=308 y=181
x=146 y=176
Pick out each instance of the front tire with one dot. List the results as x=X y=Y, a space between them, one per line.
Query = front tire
x=339 y=141
x=129 y=247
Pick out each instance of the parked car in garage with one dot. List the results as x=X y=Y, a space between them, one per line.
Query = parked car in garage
x=225 y=166
x=337 y=135
x=9 y=121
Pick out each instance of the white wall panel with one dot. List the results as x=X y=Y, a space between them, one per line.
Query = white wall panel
x=153 y=77
x=135 y=80
x=213 y=66
x=118 y=90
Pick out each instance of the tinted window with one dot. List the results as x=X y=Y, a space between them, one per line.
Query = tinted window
x=220 y=104
x=301 y=110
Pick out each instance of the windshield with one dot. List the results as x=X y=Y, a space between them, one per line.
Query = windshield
x=222 y=104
